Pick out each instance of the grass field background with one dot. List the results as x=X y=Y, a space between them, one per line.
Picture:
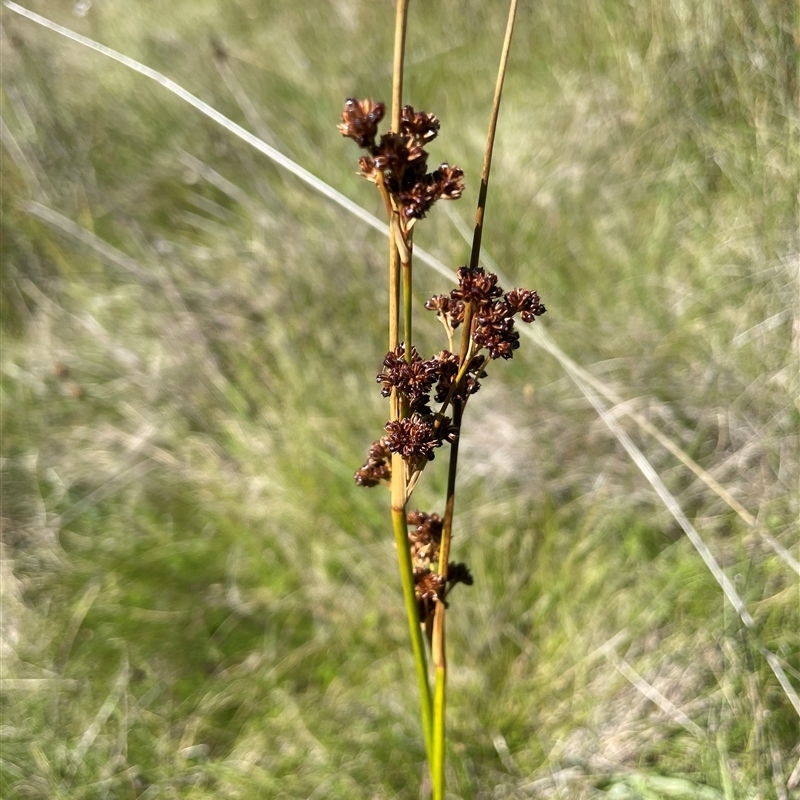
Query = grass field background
x=197 y=601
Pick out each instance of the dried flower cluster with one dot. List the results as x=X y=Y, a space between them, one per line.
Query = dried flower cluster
x=398 y=161
x=378 y=468
x=416 y=436
x=493 y=312
x=424 y=543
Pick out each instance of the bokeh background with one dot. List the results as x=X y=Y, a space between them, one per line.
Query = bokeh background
x=197 y=602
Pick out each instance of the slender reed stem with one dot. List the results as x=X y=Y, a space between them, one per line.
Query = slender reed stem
x=400 y=528
x=406 y=270
x=438 y=653
x=487 y=156
x=401 y=17
x=439 y=704
x=394 y=303
x=399 y=261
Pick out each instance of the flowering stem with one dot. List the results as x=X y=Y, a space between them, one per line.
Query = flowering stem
x=439 y=702
x=438 y=653
x=394 y=310
x=401 y=16
x=397 y=265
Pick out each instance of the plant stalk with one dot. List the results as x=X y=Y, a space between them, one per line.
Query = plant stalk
x=400 y=528
x=400 y=20
x=487 y=156
x=438 y=652
x=398 y=265
x=405 y=268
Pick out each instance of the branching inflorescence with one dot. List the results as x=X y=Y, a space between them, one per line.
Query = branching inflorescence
x=427 y=397
x=397 y=163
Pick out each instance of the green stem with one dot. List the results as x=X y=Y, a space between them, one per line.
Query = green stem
x=394 y=290
x=400 y=527
x=439 y=702
x=439 y=653
x=406 y=270
x=401 y=17
x=399 y=409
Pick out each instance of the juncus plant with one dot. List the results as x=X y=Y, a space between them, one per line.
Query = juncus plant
x=427 y=397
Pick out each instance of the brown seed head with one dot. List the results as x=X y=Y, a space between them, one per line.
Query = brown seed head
x=415 y=437
x=421 y=126
x=378 y=468
x=360 y=120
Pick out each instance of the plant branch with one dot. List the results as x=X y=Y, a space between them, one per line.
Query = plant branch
x=487 y=157
x=400 y=528
x=438 y=651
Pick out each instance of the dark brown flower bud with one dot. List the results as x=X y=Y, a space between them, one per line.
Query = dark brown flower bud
x=428 y=527
x=459 y=573
x=424 y=540
x=525 y=303
x=414 y=379
x=367 y=168
x=496 y=333
x=360 y=120
x=378 y=468
x=475 y=286
x=427 y=585
x=416 y=437
x=446 y=366
x=439 y=303
x=450 y=181
x=423 y=127
x=416 y=202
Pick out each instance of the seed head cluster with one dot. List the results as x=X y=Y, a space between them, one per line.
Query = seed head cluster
x=424 y=541
x=398 y=159
x=493 y=312
x=417 y=436
x=378 y=468
x=414 y=378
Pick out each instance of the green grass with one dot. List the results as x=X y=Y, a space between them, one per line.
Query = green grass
x=197 y=602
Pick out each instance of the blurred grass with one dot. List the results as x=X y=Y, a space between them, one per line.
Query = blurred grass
x=196 y=600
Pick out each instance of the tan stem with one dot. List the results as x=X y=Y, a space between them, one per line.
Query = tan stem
x=487 y=156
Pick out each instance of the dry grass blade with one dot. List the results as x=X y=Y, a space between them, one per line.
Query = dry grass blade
x=21 y=160
x=110 y=254
x=210 y=112
x=694 y=537
x=651 y=693
x=543 y=337
x=540 y=336
x=242 y=99
x=784 y=554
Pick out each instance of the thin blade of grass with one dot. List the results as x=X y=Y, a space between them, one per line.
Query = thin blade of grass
x=651 y=693
x=276 y=156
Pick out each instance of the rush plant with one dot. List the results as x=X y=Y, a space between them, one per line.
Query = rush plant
x=428 y=397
